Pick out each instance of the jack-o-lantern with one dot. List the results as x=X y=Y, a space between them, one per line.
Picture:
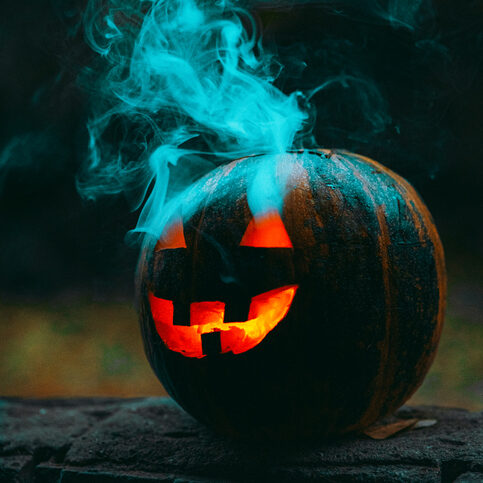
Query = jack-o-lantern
x=308 y=301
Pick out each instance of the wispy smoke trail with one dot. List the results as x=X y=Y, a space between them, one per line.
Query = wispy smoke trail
x=182 y=85
x=27 y=150
x=398 y=13
x=185 y=81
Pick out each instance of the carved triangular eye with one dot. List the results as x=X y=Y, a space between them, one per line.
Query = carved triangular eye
x=172 y=237
x=266 y=230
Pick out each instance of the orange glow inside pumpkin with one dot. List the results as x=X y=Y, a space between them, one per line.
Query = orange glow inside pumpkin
x=173 y=236
x=266 y=230
x=266 y=311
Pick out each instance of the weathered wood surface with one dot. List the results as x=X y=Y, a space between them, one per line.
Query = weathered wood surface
x=152 y=439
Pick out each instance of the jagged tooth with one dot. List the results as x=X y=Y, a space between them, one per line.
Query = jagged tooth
x=181 y=313
x=211 y=343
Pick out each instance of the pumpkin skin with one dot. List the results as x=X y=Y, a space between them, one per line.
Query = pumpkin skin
x=362 y=329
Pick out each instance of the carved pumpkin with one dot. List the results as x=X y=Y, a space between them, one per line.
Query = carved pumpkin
x=314 y=317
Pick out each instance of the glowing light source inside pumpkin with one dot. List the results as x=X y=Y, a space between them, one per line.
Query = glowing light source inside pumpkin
x=266 y=230
x=173 y=237
x=266 y=311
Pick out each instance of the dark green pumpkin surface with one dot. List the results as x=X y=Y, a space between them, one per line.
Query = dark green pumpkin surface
x=364 y=324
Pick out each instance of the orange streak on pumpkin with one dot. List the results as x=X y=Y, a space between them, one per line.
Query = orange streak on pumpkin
x=383 y=241
x=409 y=194
x=426 y=228
x=266 y=311
x=424 y=222
x=266 y=230
x=418 y=209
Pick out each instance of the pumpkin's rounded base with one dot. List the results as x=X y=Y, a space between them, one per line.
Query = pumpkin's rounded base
x=244 y=402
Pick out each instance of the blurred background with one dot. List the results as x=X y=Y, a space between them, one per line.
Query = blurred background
x=67 y=321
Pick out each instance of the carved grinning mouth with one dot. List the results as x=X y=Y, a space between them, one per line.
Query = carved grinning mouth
x=209 y=334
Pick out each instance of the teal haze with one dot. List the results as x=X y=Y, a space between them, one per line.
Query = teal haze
x=184 y=85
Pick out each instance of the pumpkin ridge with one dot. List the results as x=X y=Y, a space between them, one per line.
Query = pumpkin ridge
x=383 y=242
x=422 y=217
